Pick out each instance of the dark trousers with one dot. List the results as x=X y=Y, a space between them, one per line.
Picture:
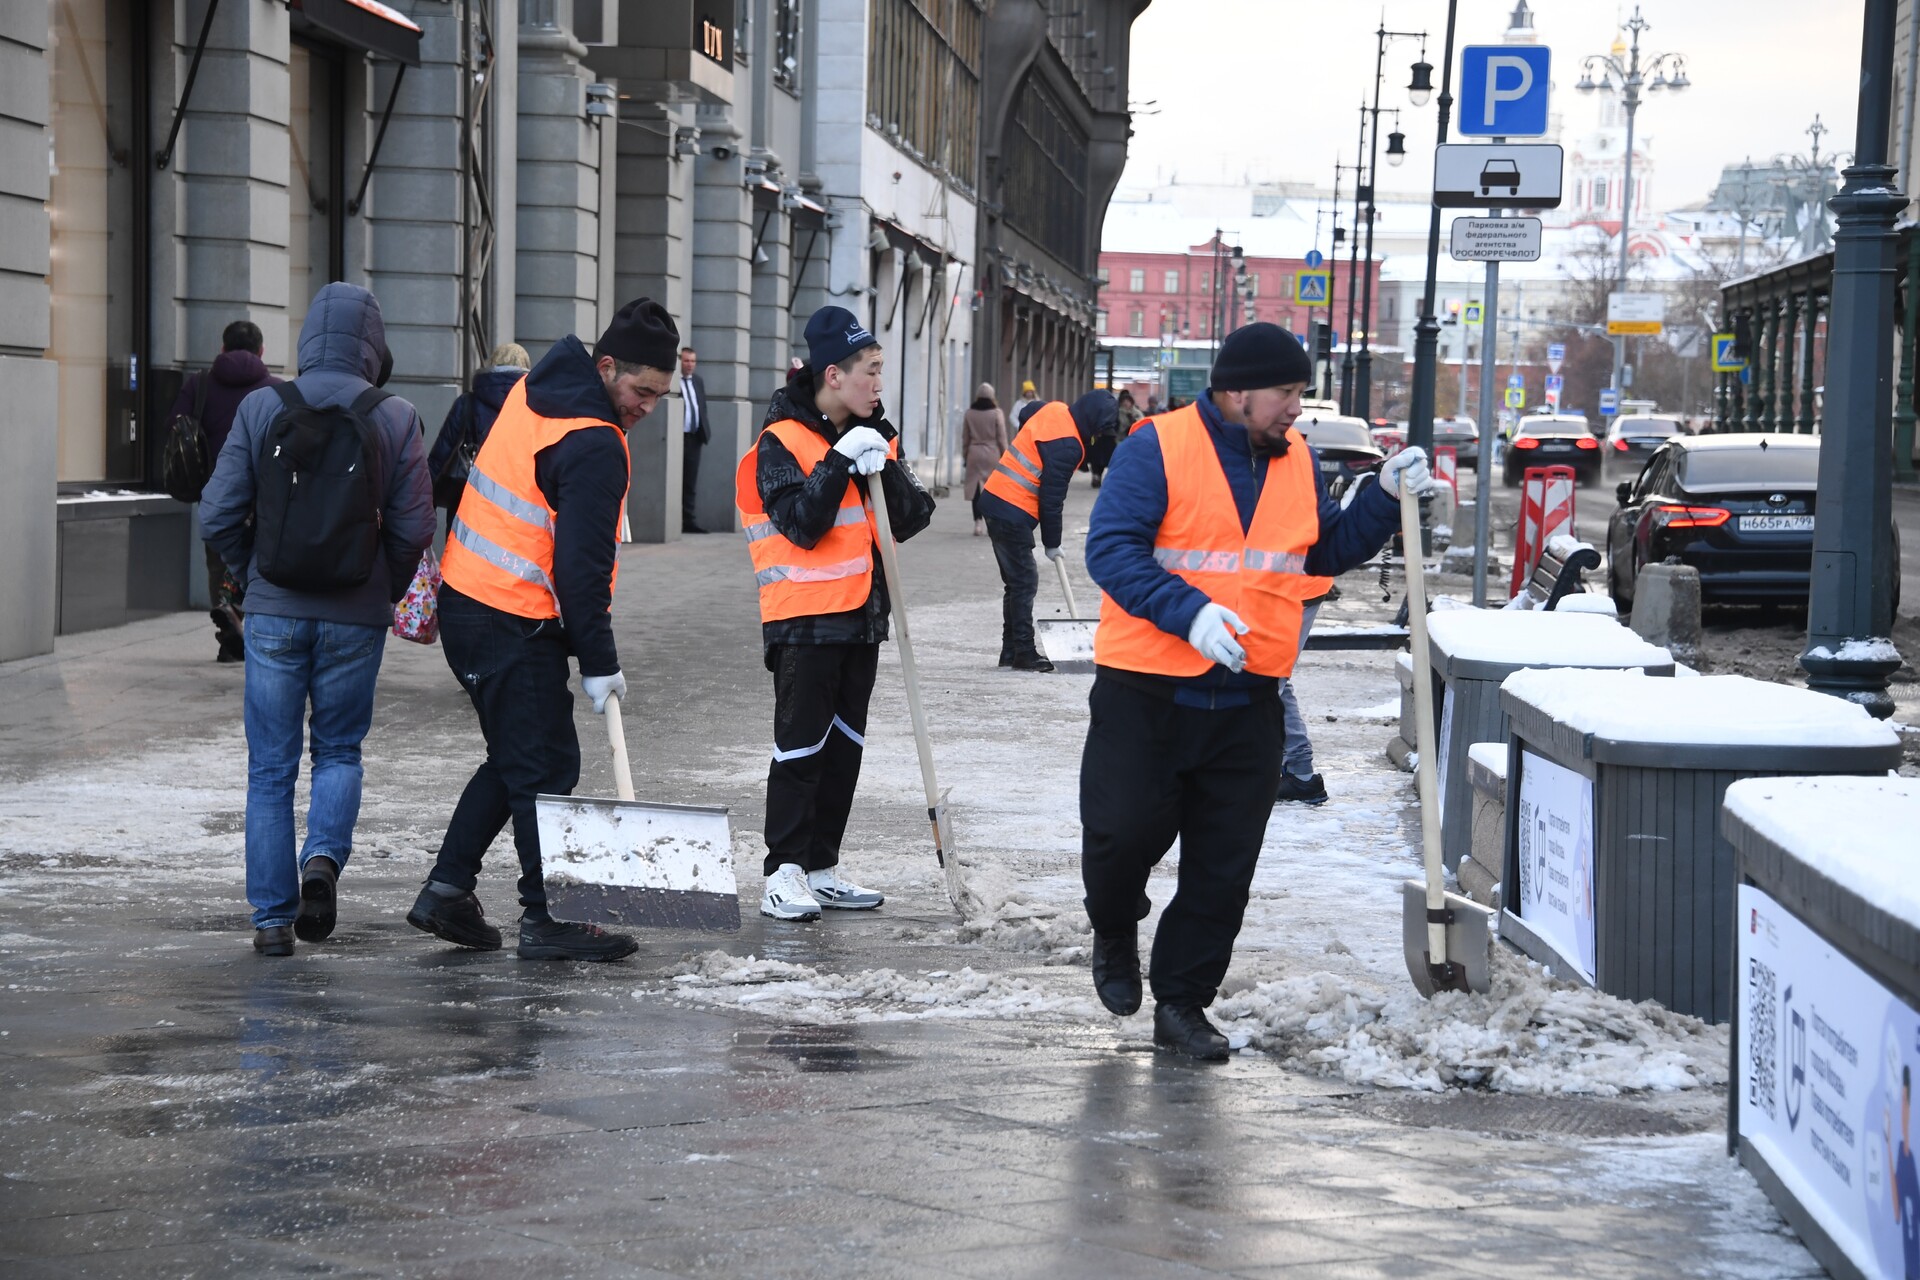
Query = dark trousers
x=689 y=474
x=1153 y=771
x=1013 y=549
x=515 y=671
x=820 y=694
x=1100 y=452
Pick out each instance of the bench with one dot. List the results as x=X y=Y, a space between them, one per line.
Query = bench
x=1558 y=573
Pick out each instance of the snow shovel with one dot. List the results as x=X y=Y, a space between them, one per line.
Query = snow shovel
x=628 y=862
x=1446 y=936
x=958 y=893
x=1068 y=641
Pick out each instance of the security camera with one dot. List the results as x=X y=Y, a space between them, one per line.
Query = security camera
x=722 y=152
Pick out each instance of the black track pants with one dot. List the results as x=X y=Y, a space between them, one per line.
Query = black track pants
x=820 y=694
x=1153 y=771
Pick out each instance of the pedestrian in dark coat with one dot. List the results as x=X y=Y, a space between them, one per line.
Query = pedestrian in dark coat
x=466 y=425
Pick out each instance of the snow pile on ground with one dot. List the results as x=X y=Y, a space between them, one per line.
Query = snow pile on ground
x=1528 y=1035
x=795 y=991
x=1019 y=921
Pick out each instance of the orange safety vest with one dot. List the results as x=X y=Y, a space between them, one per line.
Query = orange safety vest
x=500 y=548
x=836 y=573
x=1260 y=574
x=1016 y=477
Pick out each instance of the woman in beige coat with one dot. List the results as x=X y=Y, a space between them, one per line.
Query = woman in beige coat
x=983 y=438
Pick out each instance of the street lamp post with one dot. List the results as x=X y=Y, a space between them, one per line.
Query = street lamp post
x=1426 y=332
x=1669 y=71
x=1361 y=194
x=1362 y=404
x=1850 y=651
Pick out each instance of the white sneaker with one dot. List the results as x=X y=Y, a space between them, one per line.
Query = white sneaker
x=787 y=896
x=831 y=891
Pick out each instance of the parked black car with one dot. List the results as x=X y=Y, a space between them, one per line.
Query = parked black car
x=1632 y=439
x=1462 y=435
x=1552 y=440
x=1739 y=508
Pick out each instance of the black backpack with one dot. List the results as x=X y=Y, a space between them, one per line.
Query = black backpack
x=185 y=467
x=317 y=502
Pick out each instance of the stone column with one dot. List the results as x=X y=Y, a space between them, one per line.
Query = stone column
x=772 y=322
x=1783 y=396
x=29 y=384
x=1737 y=421
x=561 y=179
x=1807 y=422
x=722 y=313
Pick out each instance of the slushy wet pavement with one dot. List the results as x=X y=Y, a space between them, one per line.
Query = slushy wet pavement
x=884 y=1094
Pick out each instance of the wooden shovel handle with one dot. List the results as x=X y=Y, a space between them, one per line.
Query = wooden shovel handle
x=617 y=739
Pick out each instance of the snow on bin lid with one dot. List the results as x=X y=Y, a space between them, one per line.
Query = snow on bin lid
x=1491 y=756
x=1551 y=638
x=1855 y=832
x=1730 y=711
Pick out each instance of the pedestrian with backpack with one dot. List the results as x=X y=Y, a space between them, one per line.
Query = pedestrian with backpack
x=321 y=504
x=201 y=418
x=468 y=422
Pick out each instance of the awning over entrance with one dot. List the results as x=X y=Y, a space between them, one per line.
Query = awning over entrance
x=360 y=24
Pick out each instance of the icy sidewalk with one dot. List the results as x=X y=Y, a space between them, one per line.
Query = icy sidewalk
x=888 y=1094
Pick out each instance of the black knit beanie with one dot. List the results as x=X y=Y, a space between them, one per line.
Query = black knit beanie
x=1260 y=355
x=641 y=333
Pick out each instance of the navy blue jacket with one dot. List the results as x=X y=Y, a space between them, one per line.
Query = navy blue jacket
x=1093 y=413
x=341 y=346
x=1132 y=503
x=490 y=388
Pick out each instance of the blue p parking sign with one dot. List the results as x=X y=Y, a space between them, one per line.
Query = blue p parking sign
x=1503 y=90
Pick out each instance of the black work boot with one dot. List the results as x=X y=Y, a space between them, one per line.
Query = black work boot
x=274 y=940
x=1030 y=661
x=317 y=881
x=565 y=940
x=1308 y=790
x=1184 y=1029
x=1116 y=971
x=453 y=915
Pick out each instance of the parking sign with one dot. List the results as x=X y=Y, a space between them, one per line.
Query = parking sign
x=1503 y=90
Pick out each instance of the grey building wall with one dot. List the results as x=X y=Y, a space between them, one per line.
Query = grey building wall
x=561 y=184
x=29 y=388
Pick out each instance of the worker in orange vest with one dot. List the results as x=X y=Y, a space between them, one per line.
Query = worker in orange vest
x=801 y=492
x=529 y=575
x=1028 y=489
x=1210 y=531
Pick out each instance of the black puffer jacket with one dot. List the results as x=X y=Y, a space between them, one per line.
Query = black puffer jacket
x=802 y=507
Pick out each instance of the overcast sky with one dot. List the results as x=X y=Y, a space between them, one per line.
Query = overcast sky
x=1272 y=87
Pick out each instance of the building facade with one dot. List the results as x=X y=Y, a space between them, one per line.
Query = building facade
x=501 y=170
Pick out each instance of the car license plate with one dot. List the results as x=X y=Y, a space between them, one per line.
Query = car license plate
x=1556 y=446
x=1329 y=466
x=1776 y=524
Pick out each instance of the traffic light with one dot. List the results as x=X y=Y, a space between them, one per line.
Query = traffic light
x=1322 y=340
x=1453 y=311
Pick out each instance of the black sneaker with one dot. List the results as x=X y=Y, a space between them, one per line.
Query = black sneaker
x=317 y=881
x=1030 y=662
x=458 y=920
x=1116 y=971
x=276 y=940
x=565 y=940
x=1184 y=1029
x=1310 y=790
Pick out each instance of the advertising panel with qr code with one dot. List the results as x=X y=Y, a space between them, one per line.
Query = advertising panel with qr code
x=1826 y=1058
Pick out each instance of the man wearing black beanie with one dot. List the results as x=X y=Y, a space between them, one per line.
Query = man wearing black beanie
x=1209 y=532
x=532 y=556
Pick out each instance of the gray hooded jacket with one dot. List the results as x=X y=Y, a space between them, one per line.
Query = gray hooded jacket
x=340 y=353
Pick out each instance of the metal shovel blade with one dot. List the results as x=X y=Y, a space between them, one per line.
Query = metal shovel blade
x=1067 y=642
x=1469 y=941
x=629 y=862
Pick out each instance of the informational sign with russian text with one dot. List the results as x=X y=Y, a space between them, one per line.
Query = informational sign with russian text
x=1555 y=833
x=1826 y=1058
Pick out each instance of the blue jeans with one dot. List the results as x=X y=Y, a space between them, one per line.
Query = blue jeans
x=1298 y=759
x=291 y=662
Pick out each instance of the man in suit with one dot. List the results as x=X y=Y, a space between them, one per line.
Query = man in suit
x=694 y=434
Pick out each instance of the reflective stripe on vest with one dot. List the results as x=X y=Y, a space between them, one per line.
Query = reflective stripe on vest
x=835 y=575
x=500 y=543
x=1259 y=574
x=1015 y=479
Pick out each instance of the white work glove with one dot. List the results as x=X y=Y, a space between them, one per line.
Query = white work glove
x=865 y=448
x=1407 y=469
x=1210 y=635
x=599 y=687
x=1055 y=553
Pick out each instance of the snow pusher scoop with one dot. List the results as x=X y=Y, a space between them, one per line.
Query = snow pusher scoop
x=1067 y=642
x=1447 y=937
x=630 y=862
x=964 y=900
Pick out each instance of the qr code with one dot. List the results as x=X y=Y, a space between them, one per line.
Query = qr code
x=1763 y=1037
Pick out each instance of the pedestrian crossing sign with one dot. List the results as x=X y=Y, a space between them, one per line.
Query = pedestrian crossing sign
x=1311 y=287
x=1724 y=361
x=1516 y=397
x=1471 y=315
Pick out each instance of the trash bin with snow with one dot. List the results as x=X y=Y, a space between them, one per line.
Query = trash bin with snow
x=1473 y=650
x=1618 y=872
x=1826 y=1039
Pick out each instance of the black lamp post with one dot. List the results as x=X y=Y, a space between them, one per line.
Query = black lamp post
x=1396 y=152
x=1850 y=652
x=1426 y=331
